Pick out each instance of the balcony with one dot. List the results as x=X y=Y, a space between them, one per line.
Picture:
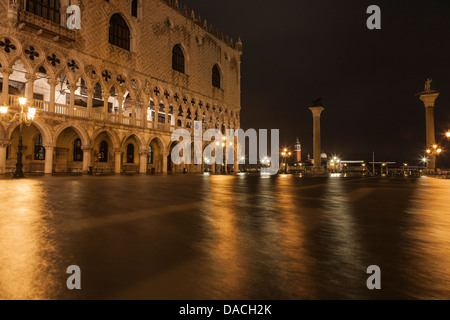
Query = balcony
x=50 y=27
x=80 y=112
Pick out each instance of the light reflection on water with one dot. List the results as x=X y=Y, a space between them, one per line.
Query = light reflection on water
x=224 y=237
x=23 y=240
x=429 y=237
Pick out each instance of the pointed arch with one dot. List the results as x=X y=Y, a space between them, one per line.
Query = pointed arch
x=216 y=77
x=82 y=133
x=111 y=134
x=119 y=32
x=141 y=142
x=178 y=59
x=47 y=136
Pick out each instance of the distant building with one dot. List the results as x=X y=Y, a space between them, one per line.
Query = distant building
x=298 y=151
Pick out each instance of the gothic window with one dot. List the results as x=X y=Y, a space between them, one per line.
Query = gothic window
x=83 y=88
x=178 y=59
x=98 y=91
x=39 y=150
x=103 y=152
x=77 y=152
x=134 y=8
x=150 y=155
x=119 y=33
x=48 y=9
x=216 y=77
x=130 y=153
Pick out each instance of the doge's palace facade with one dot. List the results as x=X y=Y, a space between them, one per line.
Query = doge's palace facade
x=109 y=95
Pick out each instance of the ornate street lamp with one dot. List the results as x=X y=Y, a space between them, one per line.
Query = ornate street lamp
x=434 y=151
x=223 y=144
x=23 y=117
x=285 y=154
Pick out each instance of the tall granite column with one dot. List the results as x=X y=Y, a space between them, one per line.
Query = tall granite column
x=317 y=111
x=429 y=98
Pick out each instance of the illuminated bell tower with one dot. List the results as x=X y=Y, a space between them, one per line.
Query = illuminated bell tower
x=298 y=151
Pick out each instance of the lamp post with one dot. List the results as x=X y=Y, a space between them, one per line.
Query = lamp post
x=285 y=154
x=266 y=162
x=23 y=117
x=433 y=152
x=335 y=164
x=224 y=153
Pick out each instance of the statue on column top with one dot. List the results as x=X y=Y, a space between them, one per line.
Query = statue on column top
x=428 y=85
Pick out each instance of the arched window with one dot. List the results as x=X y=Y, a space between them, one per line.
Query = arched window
x=134 y=8
x=98 y=91
x=103 y=152
x=77 y=151
x=119 y=33
x=150 y=155
x=39 y=150
x=216 y=81
x=178 y=59
x=48 y=9
x=130 y=153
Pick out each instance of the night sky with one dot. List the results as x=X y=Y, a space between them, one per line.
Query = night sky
x=297 y=51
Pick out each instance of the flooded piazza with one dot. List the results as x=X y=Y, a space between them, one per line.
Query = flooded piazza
x=224 y=237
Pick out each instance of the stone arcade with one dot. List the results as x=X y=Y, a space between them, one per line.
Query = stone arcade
x=110 y=94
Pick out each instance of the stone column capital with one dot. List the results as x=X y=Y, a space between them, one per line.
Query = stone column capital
x=117 y=151
x=143 y=152
x=429 y=99
x=86 y=148
x=72 y=87
x=30 y=77
x=4 y=143
x=52 y=82
x=7 y=71
x=317 y=111
x=49 y=145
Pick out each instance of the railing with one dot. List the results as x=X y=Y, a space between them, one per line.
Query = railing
x=96 y=114
x=13 y=100
x=53 y=27
x=126 y=120
x=113 y=118
x=80 y=112
x=41 y=105
x=61 y=109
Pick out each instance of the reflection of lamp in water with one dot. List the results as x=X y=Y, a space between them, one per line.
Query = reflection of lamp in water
x=24 y=117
